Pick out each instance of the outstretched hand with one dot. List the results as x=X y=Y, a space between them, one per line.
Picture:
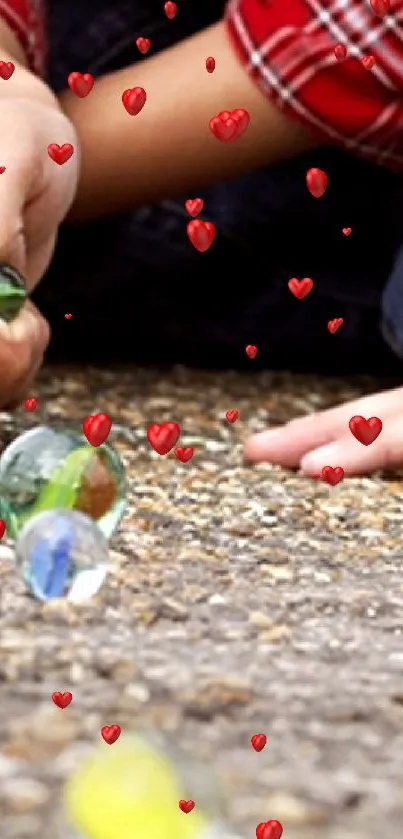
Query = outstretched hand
x=324 y=439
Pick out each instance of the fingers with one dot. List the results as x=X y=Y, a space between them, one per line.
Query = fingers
x=35 y=194
x=386 y=452
x=22 y=346
x=20 y=159
x=287 y=445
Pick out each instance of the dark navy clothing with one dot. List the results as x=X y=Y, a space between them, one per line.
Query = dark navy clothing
x=137 y=289
x=392 y=306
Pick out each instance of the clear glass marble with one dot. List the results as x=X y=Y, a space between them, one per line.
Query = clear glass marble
x=62 y=553
x=46 y=468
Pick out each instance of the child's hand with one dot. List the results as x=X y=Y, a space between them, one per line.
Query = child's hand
x=35 y=192
x=35 y=195
x=324 y=439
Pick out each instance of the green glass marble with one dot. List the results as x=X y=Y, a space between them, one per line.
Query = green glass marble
x=13 y=293
x=50 y=469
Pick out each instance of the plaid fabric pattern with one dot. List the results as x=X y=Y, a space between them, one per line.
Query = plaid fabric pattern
x=27 y=20
x=288 y=47
x=116 y=275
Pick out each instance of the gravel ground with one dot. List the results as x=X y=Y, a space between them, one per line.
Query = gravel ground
x=239 y=600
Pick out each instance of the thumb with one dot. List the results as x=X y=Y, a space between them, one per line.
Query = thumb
x=22 y=345
x=12 y=240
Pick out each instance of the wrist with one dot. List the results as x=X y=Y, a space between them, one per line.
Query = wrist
x=25 y=85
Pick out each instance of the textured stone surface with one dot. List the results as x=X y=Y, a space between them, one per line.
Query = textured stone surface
x=241 y=599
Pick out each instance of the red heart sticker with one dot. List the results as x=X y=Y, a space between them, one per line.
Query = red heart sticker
x=184 y=454
x=2 y=528
x=232 y=415
x=163 y=437
x=170 y=9
x=81 y=84
x=332 y=476
x=97 y=428
x=201 y=234
x=60 y=154
x=134 y=100
x=6 y=69
x=269 y=830
x=335 y=324
x=62 y=700
x=300 y=288
x=186 y=806
x=258 y=742
x=194 y=206
x=30 y=404
x=228 y=126
x=111 y=733
x=365 y=431
x=316 y=180
x=143 y=45
x=251 y=351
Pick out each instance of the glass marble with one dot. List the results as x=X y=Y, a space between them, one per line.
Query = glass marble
x=12 y=292
x=62 y=553
x=111 y=794
x=47 y=469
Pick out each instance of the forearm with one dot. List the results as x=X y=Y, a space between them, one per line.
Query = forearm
x=168 y=148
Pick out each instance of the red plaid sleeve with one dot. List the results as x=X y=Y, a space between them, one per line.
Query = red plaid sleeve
x=288 y=47
x=27 y=20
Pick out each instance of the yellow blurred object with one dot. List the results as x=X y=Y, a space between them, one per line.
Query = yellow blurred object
x=130 y=791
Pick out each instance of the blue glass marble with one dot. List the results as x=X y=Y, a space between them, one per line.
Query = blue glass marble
x=62 y=553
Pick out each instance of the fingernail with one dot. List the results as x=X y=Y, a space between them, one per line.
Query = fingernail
x=313 y=462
